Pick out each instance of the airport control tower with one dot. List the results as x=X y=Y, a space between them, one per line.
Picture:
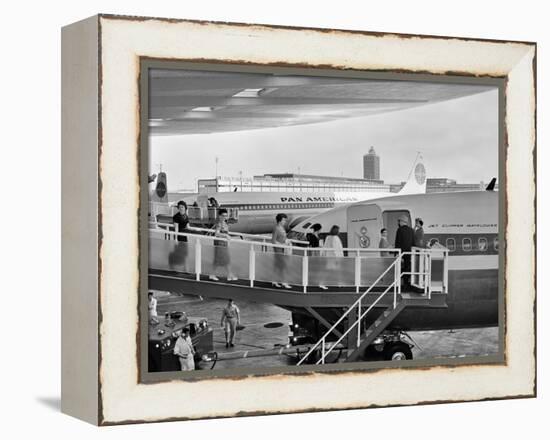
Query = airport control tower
x=371 y=165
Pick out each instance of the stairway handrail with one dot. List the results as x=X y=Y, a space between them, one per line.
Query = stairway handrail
x=363 y=314
x=356 y=303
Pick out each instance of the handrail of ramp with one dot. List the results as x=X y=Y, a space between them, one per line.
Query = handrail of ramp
x=312 y=262
x=240 y=235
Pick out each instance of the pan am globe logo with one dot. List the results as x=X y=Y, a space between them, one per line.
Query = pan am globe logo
x=420 y=173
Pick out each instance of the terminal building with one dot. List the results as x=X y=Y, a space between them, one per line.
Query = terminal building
x=290 y=182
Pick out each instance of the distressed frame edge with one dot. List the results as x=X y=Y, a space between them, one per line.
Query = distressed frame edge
x=80 y=243
x=103 y=422
x=142 y=18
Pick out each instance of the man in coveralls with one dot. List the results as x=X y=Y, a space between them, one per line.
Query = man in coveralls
x=231 y=318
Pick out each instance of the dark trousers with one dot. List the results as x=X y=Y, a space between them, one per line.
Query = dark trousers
x=406 y=267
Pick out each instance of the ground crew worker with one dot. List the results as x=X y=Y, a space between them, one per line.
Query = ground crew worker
x=183 y=349
x=231 y=318
x=152 y=306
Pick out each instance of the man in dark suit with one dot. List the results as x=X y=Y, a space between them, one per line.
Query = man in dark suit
x=404 y=240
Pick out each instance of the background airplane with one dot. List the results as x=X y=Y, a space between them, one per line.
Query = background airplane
x=257 y=210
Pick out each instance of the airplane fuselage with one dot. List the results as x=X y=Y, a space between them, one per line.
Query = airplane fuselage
x=466 y=223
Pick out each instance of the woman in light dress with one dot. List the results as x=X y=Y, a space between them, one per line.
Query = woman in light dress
x=222 y=258
x=333 y=248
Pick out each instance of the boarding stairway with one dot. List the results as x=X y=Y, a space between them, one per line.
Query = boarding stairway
x=359 y=338
x=364 y=282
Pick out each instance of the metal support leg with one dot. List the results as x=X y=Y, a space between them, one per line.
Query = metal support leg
x=359 y=323
x=198 y=259
x=305 y=272
x=252 y=265
x=353 y=337
x=357 y=273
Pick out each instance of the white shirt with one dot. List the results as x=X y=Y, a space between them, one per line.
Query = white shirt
x=182 y=348
x=153 y=307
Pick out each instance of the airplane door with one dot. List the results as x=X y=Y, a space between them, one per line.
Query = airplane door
x=364 y=224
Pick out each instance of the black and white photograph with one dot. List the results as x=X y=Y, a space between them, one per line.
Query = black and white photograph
x=254 y=220
x=306 y=220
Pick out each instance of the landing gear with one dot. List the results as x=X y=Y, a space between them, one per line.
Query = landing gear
x=389 y=346
x=397 y=351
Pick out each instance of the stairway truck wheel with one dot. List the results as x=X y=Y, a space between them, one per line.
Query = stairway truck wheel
x=397 y=351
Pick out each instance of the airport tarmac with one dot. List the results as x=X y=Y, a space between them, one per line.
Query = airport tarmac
x=266 y=327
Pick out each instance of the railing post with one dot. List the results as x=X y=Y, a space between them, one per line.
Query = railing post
x=429 y=275
x=445 y=271
x=198 y=253
x=415 y=279
x=305 y=270
x=323 y=351
x=399 y=273
x=395 y=282
x=357 y=272
x=252 y=265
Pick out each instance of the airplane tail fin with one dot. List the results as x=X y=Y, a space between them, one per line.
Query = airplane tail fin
x=492 y=184
x=160 y=194
x=416 y=182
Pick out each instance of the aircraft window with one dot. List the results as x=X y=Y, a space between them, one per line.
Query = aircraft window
x=466 y=244
x=495 y=243
x=433 y=241
x=450 y=244
x=482 y=244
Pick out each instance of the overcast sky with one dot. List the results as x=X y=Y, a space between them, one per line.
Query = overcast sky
x=458 y=140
